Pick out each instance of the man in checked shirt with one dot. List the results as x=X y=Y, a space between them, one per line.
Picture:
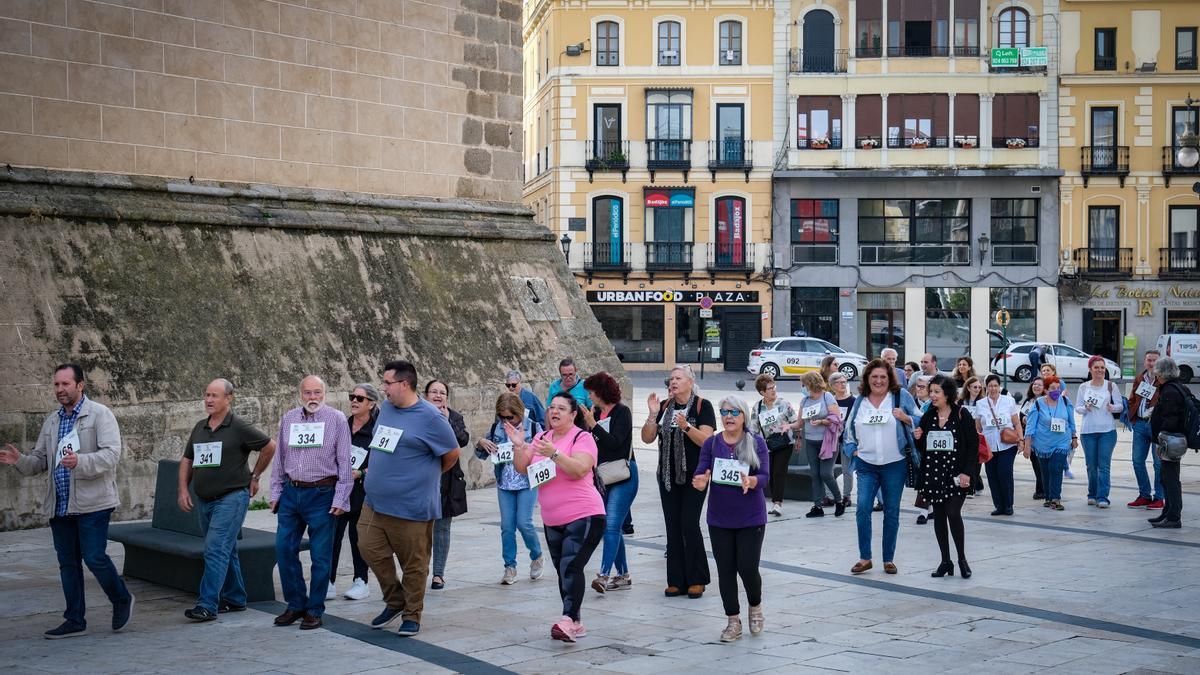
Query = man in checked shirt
x=310 y=487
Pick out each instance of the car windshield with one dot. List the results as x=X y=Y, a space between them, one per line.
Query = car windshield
x=828 y=346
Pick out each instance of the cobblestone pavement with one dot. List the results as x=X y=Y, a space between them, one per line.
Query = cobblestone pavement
x=1078 y=591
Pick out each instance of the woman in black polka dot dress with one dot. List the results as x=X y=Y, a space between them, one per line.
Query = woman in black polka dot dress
x=948 y=444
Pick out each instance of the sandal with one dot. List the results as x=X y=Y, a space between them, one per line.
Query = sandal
x=1058 y=506
x=438 y=583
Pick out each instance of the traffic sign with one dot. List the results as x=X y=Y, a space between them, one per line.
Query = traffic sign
x=706 y=313
x=1002 y=318
x=706 y=303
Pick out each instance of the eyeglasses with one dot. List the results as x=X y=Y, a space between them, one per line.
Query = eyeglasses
x=512 y=385
x=730 y=413
x=357 y=399
x=387 y=384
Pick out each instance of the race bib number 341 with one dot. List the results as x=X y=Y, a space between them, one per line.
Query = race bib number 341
x=207 y=455
x=729 y=471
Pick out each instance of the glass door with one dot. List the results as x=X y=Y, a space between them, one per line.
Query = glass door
x=668 y=129
x=1104 y=137
x=608 y=131
x=730 y=133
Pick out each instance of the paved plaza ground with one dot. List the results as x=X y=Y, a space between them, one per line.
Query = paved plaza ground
x=1078 y=591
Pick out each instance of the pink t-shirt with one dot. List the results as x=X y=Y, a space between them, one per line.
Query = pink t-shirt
x=565 y=499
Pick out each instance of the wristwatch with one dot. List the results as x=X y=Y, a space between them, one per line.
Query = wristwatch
x=554 y=456
x=687 y=428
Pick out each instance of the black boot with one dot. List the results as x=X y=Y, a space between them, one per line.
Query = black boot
x=964 y=570
x=839 y=509
x=815 y=512
x=943 y=569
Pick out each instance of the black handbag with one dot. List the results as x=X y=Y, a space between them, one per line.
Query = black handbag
x=778 y=442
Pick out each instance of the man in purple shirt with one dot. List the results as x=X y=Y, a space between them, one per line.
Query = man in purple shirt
x=310 y=487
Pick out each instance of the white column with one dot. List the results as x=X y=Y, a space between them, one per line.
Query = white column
x=848 y=127
x=914 y=323
x=950 y=38
x=980 y=321
x=950 y=125
x=985 y=127
x=985 y=29
x=883 y=135
x=1047 y=314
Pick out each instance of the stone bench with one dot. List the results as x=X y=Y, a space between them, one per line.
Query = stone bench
x=169 y=550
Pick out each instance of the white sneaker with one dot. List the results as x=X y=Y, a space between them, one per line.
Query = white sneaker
x=331 y=592
x=510 y=576
x=358 y=590
x=535 y=568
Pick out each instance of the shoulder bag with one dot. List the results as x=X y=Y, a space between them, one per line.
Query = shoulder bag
x=776 y=441
x=616 y=470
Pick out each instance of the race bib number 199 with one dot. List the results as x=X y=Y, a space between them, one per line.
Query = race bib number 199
x=542 y=472
x=729 y=471
x=357 y=457
x=207 y=455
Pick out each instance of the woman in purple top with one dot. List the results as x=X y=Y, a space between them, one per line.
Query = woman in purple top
x=735 y=462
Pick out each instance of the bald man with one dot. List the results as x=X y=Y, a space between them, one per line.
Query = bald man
x=310 y=487
x=215 y=464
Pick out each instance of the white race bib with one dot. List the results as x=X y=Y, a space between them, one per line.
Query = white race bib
x=877 y=417
x=1058 y=425
x=386 y=438
x=310 y=435
x=768 y=419
x=940 y=441
x=845 y=411
x=729 y=471
x=206 y=455
x=503 y=454
x=605 y=424
x=990 y=421
x=1092 y=400
x=69 y=445
x=1146 y=390
x=542 y=472
x=357 y=457
x=811 y=411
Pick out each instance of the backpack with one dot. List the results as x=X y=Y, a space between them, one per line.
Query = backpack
x=1191 y=421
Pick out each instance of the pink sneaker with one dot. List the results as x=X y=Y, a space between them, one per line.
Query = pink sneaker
x=580 y=630
x=563 y=630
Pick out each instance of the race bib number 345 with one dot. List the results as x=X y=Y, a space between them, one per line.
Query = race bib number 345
x=729 y=471
x=542 y=472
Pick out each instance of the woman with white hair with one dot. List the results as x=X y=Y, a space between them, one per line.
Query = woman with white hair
x=681 y=424
x=735 y=462
x=1169 y=417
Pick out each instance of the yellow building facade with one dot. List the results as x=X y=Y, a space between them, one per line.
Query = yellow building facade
x=648 y=150
x=1129 y=213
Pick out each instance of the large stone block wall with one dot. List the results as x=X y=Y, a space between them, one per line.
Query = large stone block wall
x=158 y=286
x=394 y=97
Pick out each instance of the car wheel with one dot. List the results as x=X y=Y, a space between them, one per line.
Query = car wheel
x=848 y=370
x=770 y=369
x=1185 y=374
x=1023 y=374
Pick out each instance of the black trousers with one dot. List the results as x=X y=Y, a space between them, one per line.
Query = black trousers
x=687 y=561
x=1000 y=478
x=571 y=547
x=348 y=519
x=737 y=553
x=1172 y=490
x=779 y=465
x=1037 y=474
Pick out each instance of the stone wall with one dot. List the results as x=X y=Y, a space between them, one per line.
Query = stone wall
x=158 y=286
x=395 y=97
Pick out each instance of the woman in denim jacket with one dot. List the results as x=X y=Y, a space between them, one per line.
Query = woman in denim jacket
x=512 y=487
x=878 y=437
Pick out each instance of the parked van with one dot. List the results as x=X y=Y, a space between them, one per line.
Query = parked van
x=1185 y=349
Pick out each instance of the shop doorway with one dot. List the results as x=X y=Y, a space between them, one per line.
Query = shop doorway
x=741 y=331
x=1102 y=333
x=880 y=323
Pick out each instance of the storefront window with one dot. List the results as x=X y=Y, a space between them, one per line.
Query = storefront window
x=690 y=330
x=948 y=323
x=815 y=311
x=1183 y=321
x=880 y=323
x=1021 y=304
x=636 y=332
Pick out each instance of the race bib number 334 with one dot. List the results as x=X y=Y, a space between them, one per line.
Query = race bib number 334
x=311 y=435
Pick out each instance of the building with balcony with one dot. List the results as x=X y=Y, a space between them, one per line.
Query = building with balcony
x=648 y=146
x=917 y=191
x=1130 y=254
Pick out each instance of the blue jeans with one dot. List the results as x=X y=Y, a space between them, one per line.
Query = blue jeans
x=441 y=544
x=1097 y=453
x=873 y=478
x=1141 y=448
x=617 y=501
x=221 y=520
x=300 y=508
x=1052 y=474
x=516 y=514
x=80 y=540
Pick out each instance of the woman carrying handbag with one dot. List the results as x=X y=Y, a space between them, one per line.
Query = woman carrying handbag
x=611 y=424
x=997 y=418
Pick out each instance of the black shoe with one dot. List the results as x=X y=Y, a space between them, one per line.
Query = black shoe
x=1008 y=512
x=200 y=614
x=815 y=512
x=1168 y=524
x=839 y=509
x=225 y=606
x=1039 y=495
x=388 y=615
x=1156 y=519
x=65 y=630
x=998 y=512
x=943 y=569
x=878 y=506
x=122 y=613
x=922 y=519
x=846 y=501
x=964 y=570
x=627 y=528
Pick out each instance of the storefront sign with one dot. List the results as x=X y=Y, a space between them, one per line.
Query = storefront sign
x=1034 y=56
x=614 y=231
x=643 y=297
x=1005 y=57
x=679 y=197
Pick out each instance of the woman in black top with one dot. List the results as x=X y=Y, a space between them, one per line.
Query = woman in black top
x=611 y=424
x=681 y=424
x=454 y=483
x=949 y=447
x=364 y=409
x=1170 y=415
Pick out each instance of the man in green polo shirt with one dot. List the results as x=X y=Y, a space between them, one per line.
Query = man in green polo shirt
x=215 y=462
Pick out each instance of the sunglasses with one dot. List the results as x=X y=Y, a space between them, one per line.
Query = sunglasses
x=357 y=399
x=730 y=413
x=509 y=418
x=512 y=385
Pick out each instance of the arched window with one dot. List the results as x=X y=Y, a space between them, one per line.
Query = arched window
x=608 y=233
x=607 y=44
x=729 y=249
x=730 y=52
x=668 y=43
x=1014 y=27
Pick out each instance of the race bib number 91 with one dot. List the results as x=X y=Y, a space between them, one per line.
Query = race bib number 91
x=542 y=472
x=386 y=438
x=729 y=471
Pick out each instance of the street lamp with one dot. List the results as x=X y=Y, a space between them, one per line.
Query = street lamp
x=566 y=247
x=985 y=243
x=1188 y=154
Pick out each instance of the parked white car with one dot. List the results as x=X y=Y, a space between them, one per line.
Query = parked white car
x=1070 y=362
x=1185 y=349
x=782 y=357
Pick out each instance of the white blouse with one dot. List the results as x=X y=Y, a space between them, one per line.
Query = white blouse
x=877 y=442
x=989 y=413
x=1098 y=420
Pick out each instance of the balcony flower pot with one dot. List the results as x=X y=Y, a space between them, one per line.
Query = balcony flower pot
x=868 y=144
x=820 y=144
x=966 y=145
x=1015 y=143
x=616 y=159
x=919 y=144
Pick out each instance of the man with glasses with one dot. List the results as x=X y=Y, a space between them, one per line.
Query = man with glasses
x=215 y=464
x=537 y=412
x=310 y=487
x=570 y=382
x=413 y=445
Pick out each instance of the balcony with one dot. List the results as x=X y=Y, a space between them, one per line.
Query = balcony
x=669 y=154
x=606 y=257
x=730 y=257
x=834 y=142
x=815 y=254
x=1104 y=63
x=918 y=50
x=1104 y=262
x=918 y=142
x=1014 y=254
x=1104 y=160
x=730 y=155
x=607 y=156
x=868 y=142
x=818 y=60
x=669 y=256
x=868 y=52
x=934 y=253
x=1015 y=142
x=1172 y=167
x=1178 y=263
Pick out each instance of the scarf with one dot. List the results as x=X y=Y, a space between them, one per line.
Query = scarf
x=671 y=446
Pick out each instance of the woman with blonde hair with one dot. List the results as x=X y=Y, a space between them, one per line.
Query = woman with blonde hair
x=819 y=413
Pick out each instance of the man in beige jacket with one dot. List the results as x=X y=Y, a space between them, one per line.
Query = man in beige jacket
x=79 y=447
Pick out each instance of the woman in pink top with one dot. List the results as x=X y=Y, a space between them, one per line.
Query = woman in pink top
x=559 y=461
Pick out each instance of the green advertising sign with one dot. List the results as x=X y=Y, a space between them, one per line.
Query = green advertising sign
x=1129 y=356
x=1006 y=57
x=1034 y=56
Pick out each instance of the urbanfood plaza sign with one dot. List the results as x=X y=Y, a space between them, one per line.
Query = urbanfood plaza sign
x=646 y=297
